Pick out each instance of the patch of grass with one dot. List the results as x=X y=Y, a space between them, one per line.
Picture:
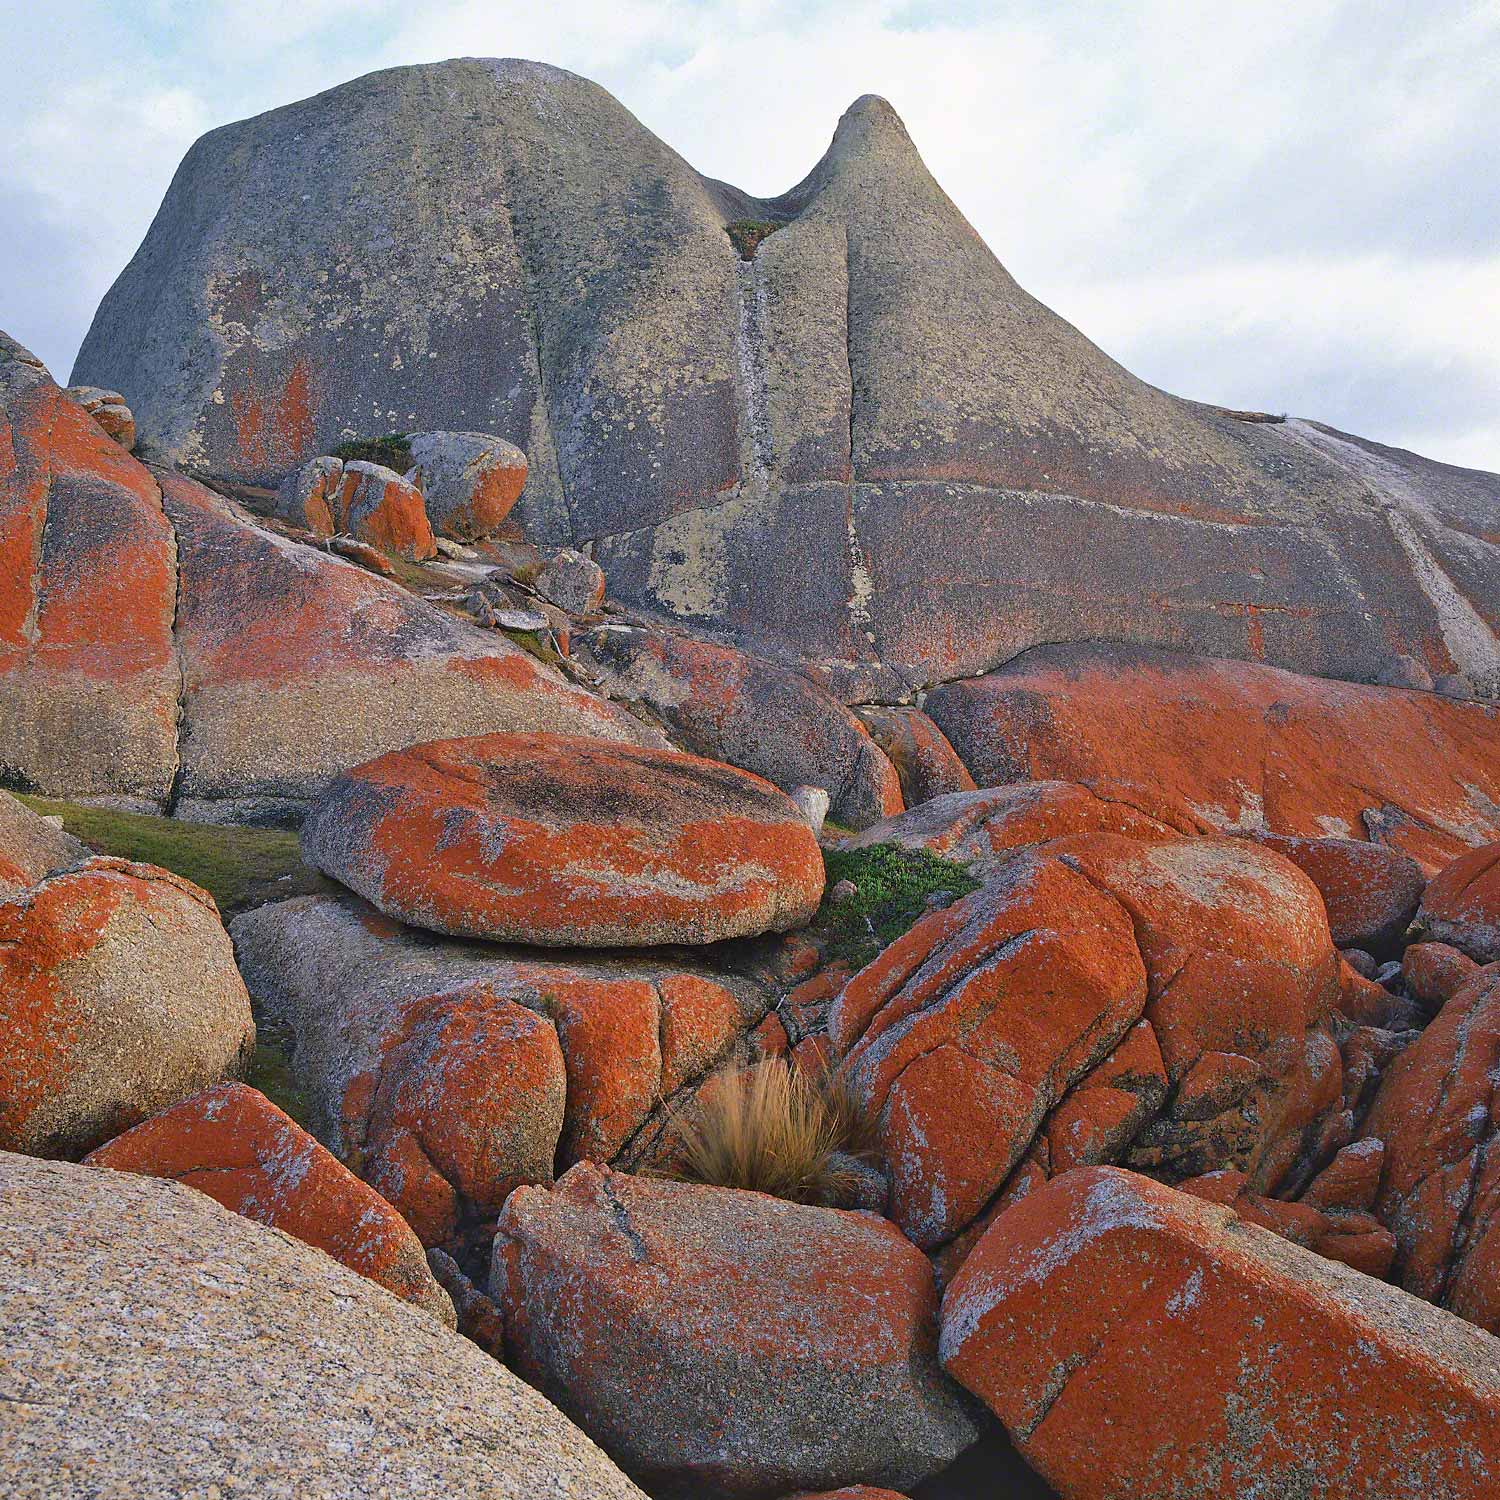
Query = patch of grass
x=746 y=235
x=771 y=1129
x=238 y=867
x=393 y=450
x=271 y=1073
x=892 y=887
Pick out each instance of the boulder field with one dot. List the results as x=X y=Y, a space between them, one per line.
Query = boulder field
x=881 y=912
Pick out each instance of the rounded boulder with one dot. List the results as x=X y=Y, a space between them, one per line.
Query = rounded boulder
x=548 y=839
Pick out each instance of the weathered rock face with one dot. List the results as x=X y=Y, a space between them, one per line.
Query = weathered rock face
x=253 y=1363
x=120 y=997
x=735 y=707
x=88 y=678
x=563 y=841
x=809 y=447
x=158 y=647
x=1219 y=1359
x=1440 y=1190
x=1462 y=905
x=1237 y=746
x=1371 y=891
x=297 y=665
x=446 y=1072
x=1002 y=1035
x=31 y=848
x=721 y=1341
x=924 y=760
x=232 y=1143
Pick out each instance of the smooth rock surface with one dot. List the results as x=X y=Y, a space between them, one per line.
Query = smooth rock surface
x=556 y=840
x=157 y=1346
x=1218 y=1359
x=725 y=1342
x=810 y=449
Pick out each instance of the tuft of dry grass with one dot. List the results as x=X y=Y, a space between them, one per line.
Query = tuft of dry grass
x=770 y=1128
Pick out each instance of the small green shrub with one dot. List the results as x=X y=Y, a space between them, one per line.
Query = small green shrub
x=772 y=1129
x=393 y=451
x=892 y=887
x=746 y=235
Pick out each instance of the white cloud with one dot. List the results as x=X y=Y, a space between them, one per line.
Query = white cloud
x=1260 y=204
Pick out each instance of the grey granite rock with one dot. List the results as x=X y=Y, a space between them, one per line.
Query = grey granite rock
x=157 y=1346
x=865 y=445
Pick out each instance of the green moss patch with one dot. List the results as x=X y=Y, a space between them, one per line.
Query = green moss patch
x=892 y=890
x=746 y=235
x=239 y=867
x=393 y=451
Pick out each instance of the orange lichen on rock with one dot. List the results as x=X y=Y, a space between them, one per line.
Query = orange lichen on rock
x=1462 y=905
x=1238 y=745
x=121 y=997
x=232 y=1143
x=1102 y=1291
x=558 y=840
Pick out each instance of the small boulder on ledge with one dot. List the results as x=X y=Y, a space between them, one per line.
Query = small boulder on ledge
x=550 y=839
x=572 y=582
x=108 y=409
x=379 y=507
x=1462 y=905
x=469 y=480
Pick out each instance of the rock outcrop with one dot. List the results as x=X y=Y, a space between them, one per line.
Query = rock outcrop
x=446 y=1072
x=1137 y=1341
x=469 y=481
x=810 y=448
x=159 y=647
x=720 y=1341
x=732 y=706
x=120 y=997
x=1461 y=907
x=1438 y=1115
x=567 y=842
x=156 y=1344
x=1236 y=746
x=1003 y=1034
x=232 y=1143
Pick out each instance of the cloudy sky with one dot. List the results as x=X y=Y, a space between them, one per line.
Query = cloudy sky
x=1293 y=207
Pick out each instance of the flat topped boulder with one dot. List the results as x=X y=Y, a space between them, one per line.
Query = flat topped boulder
x=551 y=839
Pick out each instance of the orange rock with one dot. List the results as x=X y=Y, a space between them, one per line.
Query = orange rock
x=232 y=1143
x=1432 y=972
x=1238 y=744
x=726 y=1342
x=88 y=675
x=924 y=760
x=554 y=840
x=1137 y=1341
x=979 y=1040
x=1372 y=892
x=849 y=1492
x=465 y=1104
x=447 y=1071
x=967 y=1030
x=376 y=505
x=1436 y=1113
x=980 y=828
x=1462 y=905
x=121 y=997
